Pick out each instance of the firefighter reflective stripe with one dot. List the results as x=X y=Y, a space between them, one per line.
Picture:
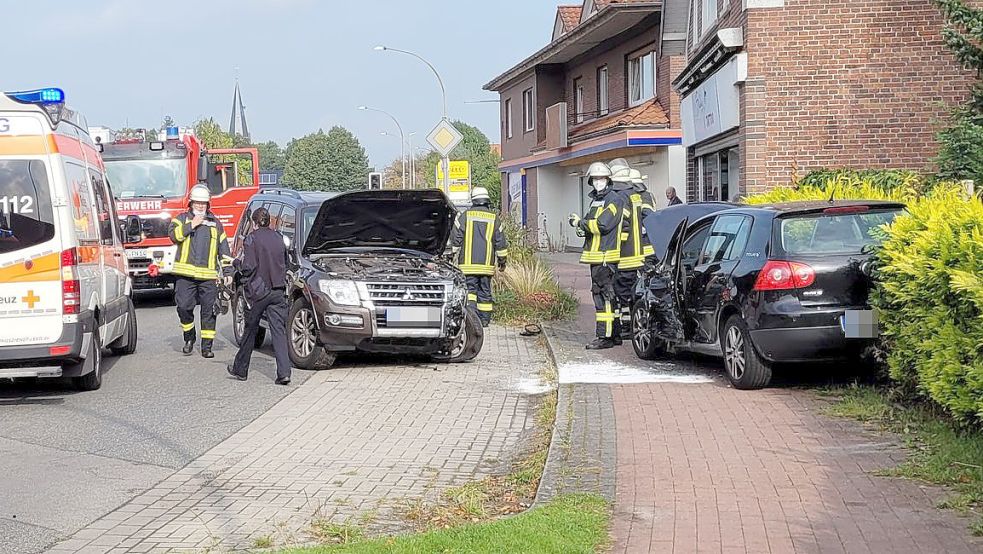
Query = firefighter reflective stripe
x=188 y=326
x=485 y=306
x=213 y=248
x=179 y=232
x=208 y=334
x=472 y=297
x=601 y=226
x=606 y=318
x=635 y=246
x=200 y=250
x=478 y=236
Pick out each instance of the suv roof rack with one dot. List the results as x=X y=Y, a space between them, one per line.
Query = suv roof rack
x=281 y=191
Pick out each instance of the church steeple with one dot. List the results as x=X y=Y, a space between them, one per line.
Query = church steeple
x=238 y=108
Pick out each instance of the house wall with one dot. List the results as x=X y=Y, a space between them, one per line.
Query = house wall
x=521 y=143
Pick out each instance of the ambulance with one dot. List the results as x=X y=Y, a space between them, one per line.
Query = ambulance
x=64 y=287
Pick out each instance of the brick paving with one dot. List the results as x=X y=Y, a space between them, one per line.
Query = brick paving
x=359 y=440
x=701 y=467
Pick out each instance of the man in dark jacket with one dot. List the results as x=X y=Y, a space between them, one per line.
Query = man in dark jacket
x=263 y=270
x=671 y=196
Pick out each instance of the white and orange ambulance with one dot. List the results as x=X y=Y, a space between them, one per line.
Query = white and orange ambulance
x=64 y=288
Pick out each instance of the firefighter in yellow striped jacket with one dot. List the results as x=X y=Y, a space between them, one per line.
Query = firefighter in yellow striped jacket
x=202 y=248
x=477 y=242
x=601 y=227
x=635 y=246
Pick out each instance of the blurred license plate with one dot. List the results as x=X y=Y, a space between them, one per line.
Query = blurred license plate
x=413 y=316
x=137 y=253
x=859 y=324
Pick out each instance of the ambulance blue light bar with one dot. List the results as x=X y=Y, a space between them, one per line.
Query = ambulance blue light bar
x=39 y=96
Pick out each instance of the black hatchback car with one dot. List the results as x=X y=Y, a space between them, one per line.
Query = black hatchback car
x=759 y=285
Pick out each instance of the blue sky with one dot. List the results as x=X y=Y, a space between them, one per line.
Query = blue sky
x=303 y=64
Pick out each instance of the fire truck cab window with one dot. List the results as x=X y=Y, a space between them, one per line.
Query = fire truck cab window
x=148 y=178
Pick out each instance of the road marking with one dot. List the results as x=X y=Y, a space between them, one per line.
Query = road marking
x=607 y=372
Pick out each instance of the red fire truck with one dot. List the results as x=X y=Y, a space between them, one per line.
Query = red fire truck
x=152 y=180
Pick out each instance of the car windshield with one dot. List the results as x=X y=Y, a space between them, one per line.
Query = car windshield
x=26 y=218
x=834 y=233
x=141 y=178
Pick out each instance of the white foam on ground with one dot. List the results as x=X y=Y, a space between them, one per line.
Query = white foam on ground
x=532 y=386
x=608 y=372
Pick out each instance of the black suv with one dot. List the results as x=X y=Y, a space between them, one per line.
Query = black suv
x=366 y=274
x=759 y=285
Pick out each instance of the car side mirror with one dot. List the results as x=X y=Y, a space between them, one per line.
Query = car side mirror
x=132 y=229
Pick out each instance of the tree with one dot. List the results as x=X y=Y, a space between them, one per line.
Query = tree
x=476 y=149
x=211 y=134
x=961 y=142
x=271 y=156
x=332 y=161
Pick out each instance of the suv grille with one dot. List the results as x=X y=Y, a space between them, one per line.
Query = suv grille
x=403 y=294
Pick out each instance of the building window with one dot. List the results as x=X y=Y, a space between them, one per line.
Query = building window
x=641 y=78
x=709 y=16
x=718 y=176
x=528 y=111
x=578 y=99
x=508 y=118
x=602 y=90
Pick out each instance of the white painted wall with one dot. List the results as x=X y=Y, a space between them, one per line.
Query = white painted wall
x=558 y=198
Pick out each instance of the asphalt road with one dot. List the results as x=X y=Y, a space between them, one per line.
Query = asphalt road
x=67 y=458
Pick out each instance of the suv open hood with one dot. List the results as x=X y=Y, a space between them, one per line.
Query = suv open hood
x=418 y=220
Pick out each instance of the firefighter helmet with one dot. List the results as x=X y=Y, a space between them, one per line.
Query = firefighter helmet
x=199 y=193
x=598 y=169
x=635 y=176
x=619 y=169
x=479 y=193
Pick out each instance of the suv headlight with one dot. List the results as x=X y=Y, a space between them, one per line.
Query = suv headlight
x=343 y=293
x=458 y=294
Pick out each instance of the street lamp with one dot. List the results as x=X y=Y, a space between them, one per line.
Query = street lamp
x=445 y=162
x=402 y=139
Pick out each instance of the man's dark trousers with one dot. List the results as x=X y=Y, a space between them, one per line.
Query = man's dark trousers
x=189 y=293
x=274 y=305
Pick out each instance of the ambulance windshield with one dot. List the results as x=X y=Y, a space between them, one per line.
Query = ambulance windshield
x=26 y=218
x=160 y=178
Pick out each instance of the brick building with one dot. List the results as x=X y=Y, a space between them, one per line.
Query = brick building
x=599 y=90
x=774 y=87
x=720 y=97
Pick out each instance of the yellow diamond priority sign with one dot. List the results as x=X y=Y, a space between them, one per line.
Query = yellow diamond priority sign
x=444 y=138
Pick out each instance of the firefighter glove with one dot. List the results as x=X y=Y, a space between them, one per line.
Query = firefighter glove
x=574 y=220
x=501 y=264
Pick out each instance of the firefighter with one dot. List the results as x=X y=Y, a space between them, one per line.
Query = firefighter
x=601 y=228
x=477 y=241
x=635 y=246
x=202 y=249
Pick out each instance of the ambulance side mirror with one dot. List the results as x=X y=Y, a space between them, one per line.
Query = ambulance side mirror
x=133 y=229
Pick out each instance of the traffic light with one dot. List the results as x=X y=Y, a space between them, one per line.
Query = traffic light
x=375 y=181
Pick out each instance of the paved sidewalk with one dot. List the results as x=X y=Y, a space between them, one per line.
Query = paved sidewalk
x=354 y=440
x=702 y=467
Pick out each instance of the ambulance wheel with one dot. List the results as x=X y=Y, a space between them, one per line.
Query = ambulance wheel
x=127 y=344
x=92 y=363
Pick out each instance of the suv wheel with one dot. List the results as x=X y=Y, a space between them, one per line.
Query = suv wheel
x=93 y=363
x=303 y=348
x=646 y=345
x=467 y=344
x=239 y=322
x=745 y=368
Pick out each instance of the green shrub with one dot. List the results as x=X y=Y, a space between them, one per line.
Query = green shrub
x=930 y=298
x=517 y=236
x=910 y=183
x=897 y=186
x=527 y=291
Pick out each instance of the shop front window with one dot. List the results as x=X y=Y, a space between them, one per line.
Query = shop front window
x=718 y=176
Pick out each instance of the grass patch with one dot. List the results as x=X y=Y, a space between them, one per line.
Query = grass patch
x=939 y=451
x=263 y=542
x=572 y=523
x=554 y=304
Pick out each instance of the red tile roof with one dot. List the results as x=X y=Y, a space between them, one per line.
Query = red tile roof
x=649 y=114
x=570 y=16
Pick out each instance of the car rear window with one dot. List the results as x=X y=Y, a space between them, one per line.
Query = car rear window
x=26 y=217
x=833 y=233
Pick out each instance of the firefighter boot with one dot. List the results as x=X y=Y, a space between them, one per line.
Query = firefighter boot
x=206 y=349
x=601 y=344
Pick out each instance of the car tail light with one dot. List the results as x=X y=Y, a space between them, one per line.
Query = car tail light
x=59 y=350
x=71 y=290
x=782 y=275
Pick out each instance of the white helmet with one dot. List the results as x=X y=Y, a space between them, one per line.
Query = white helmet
x=199 y=193
x=479 y=193
x=598 y=169
x=635 y=176
x=619 y=169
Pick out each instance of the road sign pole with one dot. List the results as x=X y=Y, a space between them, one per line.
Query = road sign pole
x=446 y=165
